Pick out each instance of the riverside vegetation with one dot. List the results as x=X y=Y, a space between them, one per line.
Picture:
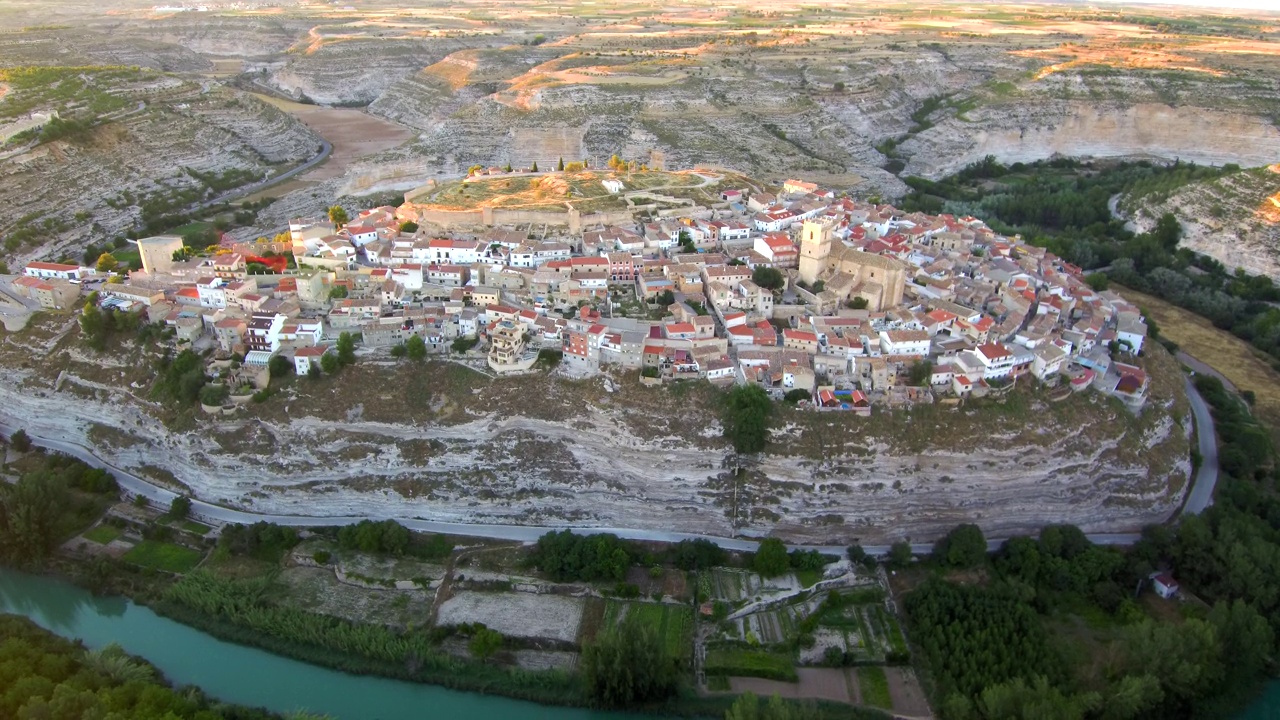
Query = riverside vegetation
x=45 y=676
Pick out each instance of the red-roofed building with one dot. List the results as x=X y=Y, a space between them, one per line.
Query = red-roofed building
x=55 y=270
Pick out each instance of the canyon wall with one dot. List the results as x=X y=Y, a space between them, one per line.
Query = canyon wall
x=1030 y=132
x=418 y=441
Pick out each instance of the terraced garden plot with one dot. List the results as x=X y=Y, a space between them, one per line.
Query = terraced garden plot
x=103 y=534
x=673 y=623
x=734 y=585
x=163 y=556
x=732 y=660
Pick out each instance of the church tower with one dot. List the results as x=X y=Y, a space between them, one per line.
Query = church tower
x=815 y=246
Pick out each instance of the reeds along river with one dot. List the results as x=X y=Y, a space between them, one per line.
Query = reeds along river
x=247 y=676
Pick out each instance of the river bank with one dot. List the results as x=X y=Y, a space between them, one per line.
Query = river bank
x=247 y=676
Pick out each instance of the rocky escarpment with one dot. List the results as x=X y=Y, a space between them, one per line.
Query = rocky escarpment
x=1234 y=219
x=443 y=443
x=1080 y=128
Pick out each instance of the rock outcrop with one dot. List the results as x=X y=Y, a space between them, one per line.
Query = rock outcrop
x=446 y=444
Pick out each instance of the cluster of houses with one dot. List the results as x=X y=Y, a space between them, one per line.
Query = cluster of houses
x=869 y=298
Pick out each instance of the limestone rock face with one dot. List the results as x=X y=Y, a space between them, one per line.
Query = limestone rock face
x=583 y=453
x=1234 y=219
x=1026 y=133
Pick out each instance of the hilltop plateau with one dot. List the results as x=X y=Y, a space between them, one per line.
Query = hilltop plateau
x=854 y=97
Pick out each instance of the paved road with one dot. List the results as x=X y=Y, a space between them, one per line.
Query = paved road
x=1201 y=495
x=325 y=149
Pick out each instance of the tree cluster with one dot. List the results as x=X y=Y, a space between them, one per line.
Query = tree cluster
x=628 y=665
x=261 y=539
x=567 y=557
x=386 y=537
x=746 y=418
x=45 y=676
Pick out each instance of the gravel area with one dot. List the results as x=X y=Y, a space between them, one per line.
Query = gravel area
x=525 y=615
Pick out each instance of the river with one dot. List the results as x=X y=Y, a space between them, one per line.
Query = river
x=248 y=676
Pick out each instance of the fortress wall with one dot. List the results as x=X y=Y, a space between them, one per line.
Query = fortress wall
x=450 y=218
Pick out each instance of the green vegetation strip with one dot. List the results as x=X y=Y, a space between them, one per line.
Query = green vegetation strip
x=743 y=662
x=103 y=534
x=240 y=611
x=874 y=686
x=163 y=556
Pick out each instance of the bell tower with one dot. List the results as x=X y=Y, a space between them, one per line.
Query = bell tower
x=815 y=246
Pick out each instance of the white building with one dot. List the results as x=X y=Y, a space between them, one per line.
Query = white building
x=305 y=358
x=904 y=342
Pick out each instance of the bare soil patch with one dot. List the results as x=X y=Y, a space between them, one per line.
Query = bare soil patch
x=353 y=133
x=908 y=697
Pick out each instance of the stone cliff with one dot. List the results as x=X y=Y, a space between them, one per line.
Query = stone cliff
x=444 y=443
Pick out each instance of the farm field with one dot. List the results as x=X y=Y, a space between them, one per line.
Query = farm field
x=673 y=623
x=1234 y=358
x=103 y=534
x=164 y=556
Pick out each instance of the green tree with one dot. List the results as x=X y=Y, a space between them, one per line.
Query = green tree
x=1016 y=700
x=746 y=418
x=29 y=515
x=180 y=507
x=535 y=166
x=107 y=263
x=771 y=558
x=346 y=348
x=330 y=363
x=337 y=292
x=560 y=165
x=1245 y=637
x=416 y=348
x=964 y=547
x=920 y=374
x=1098 y=281
x=20 y=441
x=398 y=351
x=279 y=366
x=1187 y=659
x=484 y=643
x=858 y=303
x=665 y=299
x=93 y=326
x=408 y=226
x=338 y=216
x=768 y=278
x=627 y=666
x=900 y=554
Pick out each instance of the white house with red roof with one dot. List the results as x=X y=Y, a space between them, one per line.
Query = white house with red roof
x=60 y=271
x=307 y=357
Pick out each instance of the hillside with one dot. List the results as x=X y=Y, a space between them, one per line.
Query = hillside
x=442 y=442
x=138 y=145
x=1234 y=219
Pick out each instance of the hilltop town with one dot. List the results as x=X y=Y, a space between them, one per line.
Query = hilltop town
x=826 y=299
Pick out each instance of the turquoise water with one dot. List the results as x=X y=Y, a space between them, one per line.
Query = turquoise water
x=1266 y=707
x=248 y=676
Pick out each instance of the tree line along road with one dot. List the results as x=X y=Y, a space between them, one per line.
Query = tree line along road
x=1198 y=498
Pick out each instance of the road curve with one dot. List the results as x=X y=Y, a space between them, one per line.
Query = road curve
x=1200 y=496
x=1206 y=480
x=325 y=149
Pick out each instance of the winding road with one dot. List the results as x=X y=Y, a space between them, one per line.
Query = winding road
x=1199 y=497
x=325 y=148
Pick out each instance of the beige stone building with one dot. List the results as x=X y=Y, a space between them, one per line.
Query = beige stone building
x=850 y=273
x=157 y=252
